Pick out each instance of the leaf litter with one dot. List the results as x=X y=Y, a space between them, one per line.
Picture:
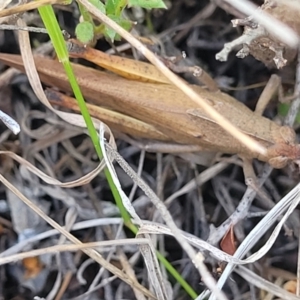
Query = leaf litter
x=70 y=198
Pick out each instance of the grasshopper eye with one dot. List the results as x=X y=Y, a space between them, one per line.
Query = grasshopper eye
x=278 y=162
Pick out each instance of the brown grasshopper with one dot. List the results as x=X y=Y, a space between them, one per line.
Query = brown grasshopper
x=147 y=106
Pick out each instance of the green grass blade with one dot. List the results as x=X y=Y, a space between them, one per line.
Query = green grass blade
x=52 y=26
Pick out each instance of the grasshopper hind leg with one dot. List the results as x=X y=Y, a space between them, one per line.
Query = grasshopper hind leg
x=269 y=91
x=249 y=174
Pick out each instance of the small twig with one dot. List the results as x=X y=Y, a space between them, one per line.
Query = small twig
x=241 y=210
x=197 y=71
x=4 y=3
x=27 y=28
x=298 y=268
x=262 y=283
x=9 y=122
x=73 y=248
x=26 y=7
x=294 y=108
x=203 y=14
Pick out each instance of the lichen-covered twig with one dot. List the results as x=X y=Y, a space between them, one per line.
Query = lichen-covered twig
x=9 y=122
x=260 y=42
x=244 y=40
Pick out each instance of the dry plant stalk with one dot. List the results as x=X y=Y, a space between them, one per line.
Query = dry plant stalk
x=159 y=108
x=258 y=42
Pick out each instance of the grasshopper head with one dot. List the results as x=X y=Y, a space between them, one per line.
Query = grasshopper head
x=281 y=154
